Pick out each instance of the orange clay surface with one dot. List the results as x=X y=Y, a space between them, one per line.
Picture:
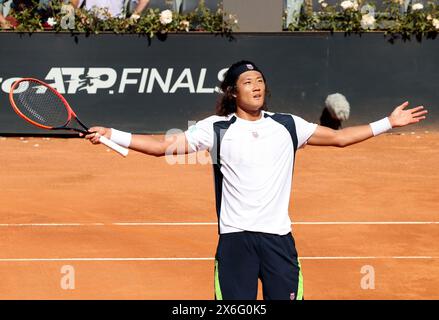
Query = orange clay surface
x=371 y=208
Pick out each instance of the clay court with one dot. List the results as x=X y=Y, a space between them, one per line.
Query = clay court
x=140 y=228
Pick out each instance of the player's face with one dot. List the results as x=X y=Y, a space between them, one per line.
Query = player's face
x=250 y=91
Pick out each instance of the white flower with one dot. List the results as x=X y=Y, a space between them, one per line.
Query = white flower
x=435 y=23
x=355 y=5
x=417 y=6
x=347 y=4
x=324 y=4
x=320 y=1
x=51 y=21
x=166 y=17
x=185 y=25
x=429 y=17
x=368 y=21
x=134 y=17
x=233 y=19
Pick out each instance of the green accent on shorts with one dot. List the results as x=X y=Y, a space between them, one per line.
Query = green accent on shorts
x=218 y=294
x=300 y=287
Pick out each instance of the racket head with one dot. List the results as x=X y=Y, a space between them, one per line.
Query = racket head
x=40 y=104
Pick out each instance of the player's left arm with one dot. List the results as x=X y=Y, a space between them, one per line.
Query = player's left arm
x=324 y=136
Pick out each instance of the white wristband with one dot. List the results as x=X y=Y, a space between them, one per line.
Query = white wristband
x=121 y=138
x=380 y=126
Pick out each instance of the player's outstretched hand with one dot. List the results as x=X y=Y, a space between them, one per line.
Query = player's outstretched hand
x=400 y=117
x=96 y=133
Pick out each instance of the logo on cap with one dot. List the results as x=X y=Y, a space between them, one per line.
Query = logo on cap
x=249 y=66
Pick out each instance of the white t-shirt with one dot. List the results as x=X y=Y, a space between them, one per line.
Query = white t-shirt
x=253 y=173
x=115 y=7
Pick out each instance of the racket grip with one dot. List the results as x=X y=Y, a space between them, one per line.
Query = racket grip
x=110 y=144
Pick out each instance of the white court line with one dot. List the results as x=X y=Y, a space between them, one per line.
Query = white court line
x=211 y=223
x=364 y=222
x=207 y=259
x=51 y=224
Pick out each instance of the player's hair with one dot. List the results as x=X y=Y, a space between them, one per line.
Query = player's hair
x=226 y=104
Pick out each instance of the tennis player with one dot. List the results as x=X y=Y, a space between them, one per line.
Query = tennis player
x=253 y=152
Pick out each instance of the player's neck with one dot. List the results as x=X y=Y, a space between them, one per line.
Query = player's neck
x=250 y=115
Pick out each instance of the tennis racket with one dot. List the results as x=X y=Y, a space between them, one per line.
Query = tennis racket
x=41 y=105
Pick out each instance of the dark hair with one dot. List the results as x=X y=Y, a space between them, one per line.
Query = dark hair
x=226 y=104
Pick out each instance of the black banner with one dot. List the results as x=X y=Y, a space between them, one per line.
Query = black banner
x=195 y=309
x=141 y=85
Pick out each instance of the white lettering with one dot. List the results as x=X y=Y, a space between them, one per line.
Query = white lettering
x=68 y=19
x=221 y=75
x=200 y=85
x=124 y=80
x=7 y=84
x=368 y=280
x=175 y=150
x=155 y=76
x=179 y=84
x=90 y=80
x=55 y=75
x=200 y=311
x=95 y=74
x=143 y=80
x=75 y=81
x=68 y=278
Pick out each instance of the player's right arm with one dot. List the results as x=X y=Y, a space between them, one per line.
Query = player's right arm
x=149 y=144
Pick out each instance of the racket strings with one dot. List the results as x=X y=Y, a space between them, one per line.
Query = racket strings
x=40 y=104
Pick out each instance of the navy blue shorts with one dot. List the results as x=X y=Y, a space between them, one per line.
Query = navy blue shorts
x=244 y=257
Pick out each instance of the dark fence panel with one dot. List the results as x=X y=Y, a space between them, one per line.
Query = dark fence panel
x=138 y=85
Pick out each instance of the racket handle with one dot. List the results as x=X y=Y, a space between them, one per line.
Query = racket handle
x=110 y=144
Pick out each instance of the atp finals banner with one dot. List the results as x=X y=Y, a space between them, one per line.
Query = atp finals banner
x=151 y=86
